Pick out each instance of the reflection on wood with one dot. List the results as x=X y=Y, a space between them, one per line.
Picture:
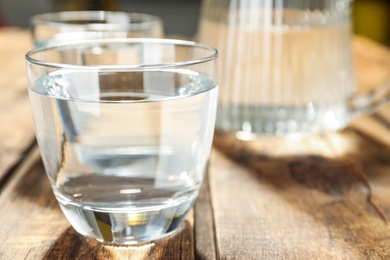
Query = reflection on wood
x=311 y=206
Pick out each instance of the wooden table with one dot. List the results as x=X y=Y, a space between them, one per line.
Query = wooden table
x=324 y=197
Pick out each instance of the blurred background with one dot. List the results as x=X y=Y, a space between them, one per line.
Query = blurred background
x=179 y=16
x=370 y=17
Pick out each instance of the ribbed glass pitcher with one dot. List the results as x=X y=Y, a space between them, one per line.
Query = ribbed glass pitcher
x=286 y=67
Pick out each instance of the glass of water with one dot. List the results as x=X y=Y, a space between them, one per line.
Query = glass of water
x=125 y=129
x=49 y=28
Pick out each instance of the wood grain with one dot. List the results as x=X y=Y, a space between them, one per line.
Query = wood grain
x=16 y=131
x=205 y=247
x=320 y=197
x=36 y=228
x=309 y=206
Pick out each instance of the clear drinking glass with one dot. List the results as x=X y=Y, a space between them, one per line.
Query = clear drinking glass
x=125 y=128
x=286 y=66
x=78 y=25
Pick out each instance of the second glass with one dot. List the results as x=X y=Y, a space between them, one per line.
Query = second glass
x=69 y=26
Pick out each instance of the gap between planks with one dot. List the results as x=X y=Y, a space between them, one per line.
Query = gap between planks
x=27 y=159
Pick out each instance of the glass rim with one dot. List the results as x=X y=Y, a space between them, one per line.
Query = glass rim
x=125 y=67
x=57 y=19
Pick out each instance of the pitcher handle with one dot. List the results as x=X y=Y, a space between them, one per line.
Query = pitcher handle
x=370 y=101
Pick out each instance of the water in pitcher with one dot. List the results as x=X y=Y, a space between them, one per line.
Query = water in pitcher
x=131 y=158
x=281 y=77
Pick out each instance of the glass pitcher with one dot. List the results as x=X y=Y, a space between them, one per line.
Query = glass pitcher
x=286 y=67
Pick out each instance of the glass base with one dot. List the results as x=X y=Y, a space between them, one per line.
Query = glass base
x=127 y=226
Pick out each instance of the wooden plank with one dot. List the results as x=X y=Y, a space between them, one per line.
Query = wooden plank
x=35 y=228
x=16 y=131
x=303 y=207
x=204 y=224
x=32 y=217
x=321 y=197
x=261 y=197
